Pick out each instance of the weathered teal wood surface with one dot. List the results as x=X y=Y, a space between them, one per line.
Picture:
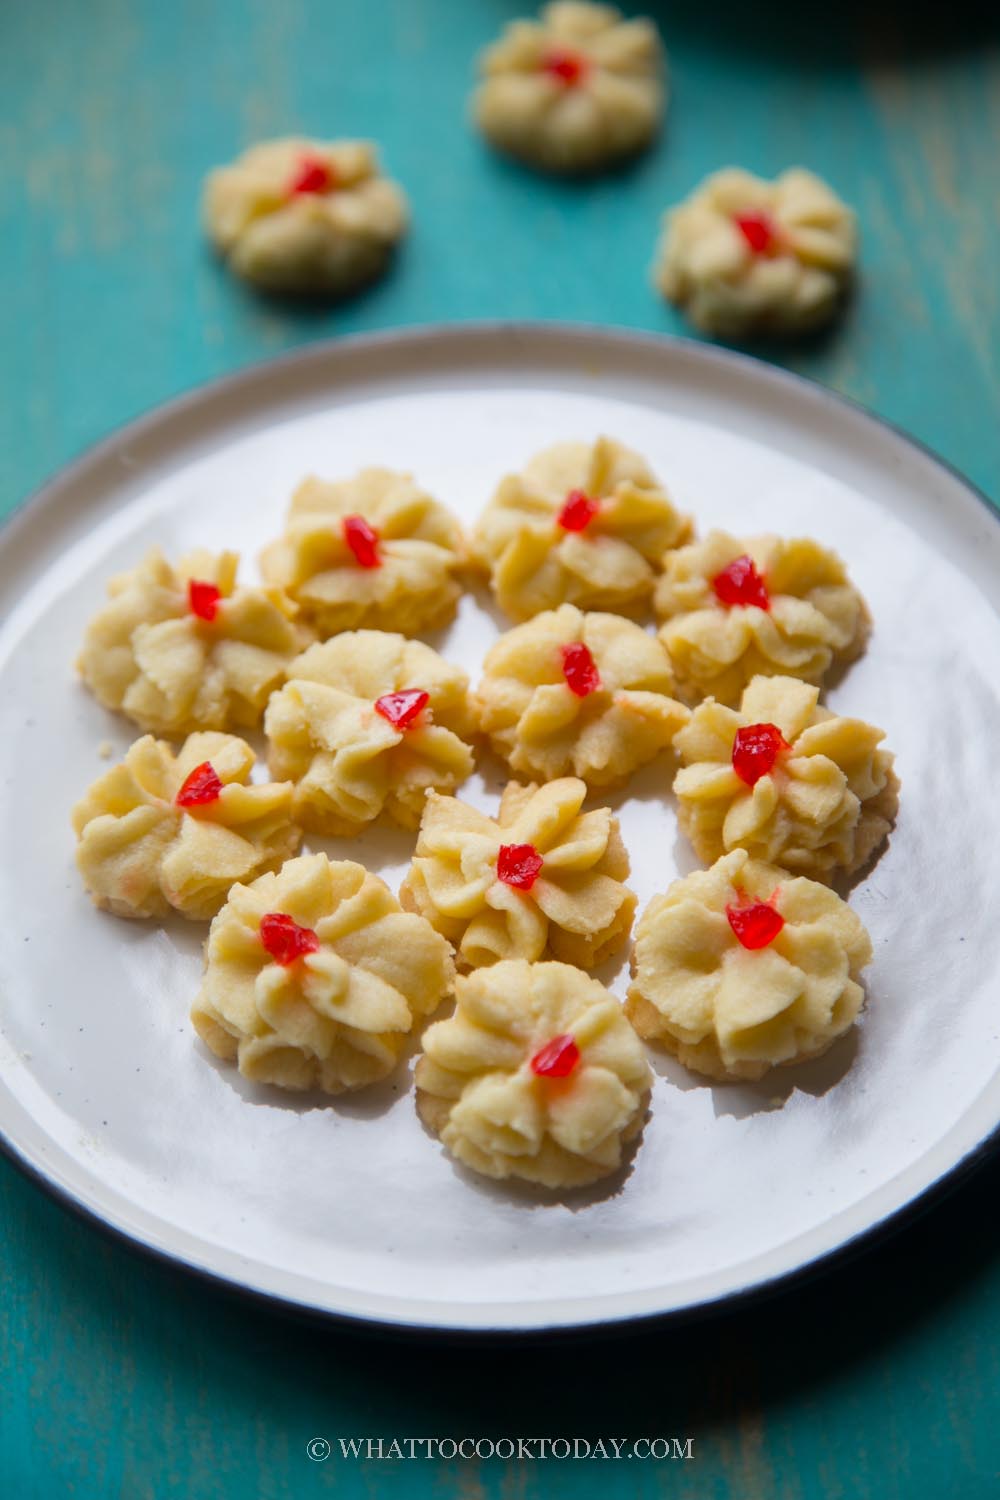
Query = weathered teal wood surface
x=120 y=1380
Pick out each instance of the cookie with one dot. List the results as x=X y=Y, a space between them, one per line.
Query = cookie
x=574 y=694
x=375 y=551
x=583 y=523
x=187 y=648
x=161 y=833
x=745 y=257
x=743 y=967
x=542 y=879
x=368 y=723
x=314 y=977
x=304 y=217
x=734 y=609
x=577 y=90
x=787 y=781
x=537 y=1075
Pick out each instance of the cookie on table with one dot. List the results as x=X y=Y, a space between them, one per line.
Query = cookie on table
x=584 y=524
x=736 y=608
x=744 y=256
x=186 y=648
x=314 y=218
x=367 y=723
x=785 y=780
x=574 y=694
x=576 y=90
x=537 y=1075
x=543 y=879
x=314 y=977
x=375 y=551
x=743 y=967
x=161 y=833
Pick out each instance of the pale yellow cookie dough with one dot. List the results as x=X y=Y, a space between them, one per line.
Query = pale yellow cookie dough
x=823 y=808
x=576 y=908
x=584 y=523
x=544 y=729
x=576 y=90
x=149 y=655
x=785 y=271
x=420 y=551
x=815 y=620
x=350 y=763
x=143 y=855
x=477 y=1088
x=305 y=217
x=337 y=1016
x=733 y=1012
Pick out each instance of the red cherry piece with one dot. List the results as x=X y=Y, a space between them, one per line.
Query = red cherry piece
x=519 y=865
x=740 y=583
x=755 y=923
x=284 y=939
x=578 y=511
x=758 y=230
x=580 y=669
x=755 y=750
x=202 y=786
x=363 y=541
x=203 y=599
x=314 y=175
x=402 y=709
x=570 y=68
x=557 y=1058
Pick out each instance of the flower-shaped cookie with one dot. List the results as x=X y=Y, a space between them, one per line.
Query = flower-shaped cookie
x=787 y=781
x=314 y=978
x=583 y=524
x=744 y=256
x=578 y=694
x=185 y=648
x=543 y=879
x=160 y=833
x=537 y=1075
x=742 y=967
x=305 y=217
x=573 y=91
x=368 y=722
x=375 y=550
x=734 y=609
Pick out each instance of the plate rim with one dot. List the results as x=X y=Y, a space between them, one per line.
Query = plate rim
x=459 y=334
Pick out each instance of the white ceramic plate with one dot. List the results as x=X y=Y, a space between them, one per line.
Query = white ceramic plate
x=351 y=1208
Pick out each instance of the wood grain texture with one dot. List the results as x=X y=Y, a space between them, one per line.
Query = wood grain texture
x=122 y=1380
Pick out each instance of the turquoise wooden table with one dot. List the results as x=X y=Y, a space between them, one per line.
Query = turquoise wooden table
x=119 y=1378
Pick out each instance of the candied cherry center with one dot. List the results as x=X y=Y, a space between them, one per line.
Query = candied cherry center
x=580 y=669
x=200 y=787
x=284 y=939
x=402 y=709
x=557 y=1058
x=755 y=750
x=313 y=175
x=758 y=229
x=755 y=923
x=363 y=541
x=203 y=599
x=740 y=583
x=569 y=67
x=518 y=865
x=578 y=511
